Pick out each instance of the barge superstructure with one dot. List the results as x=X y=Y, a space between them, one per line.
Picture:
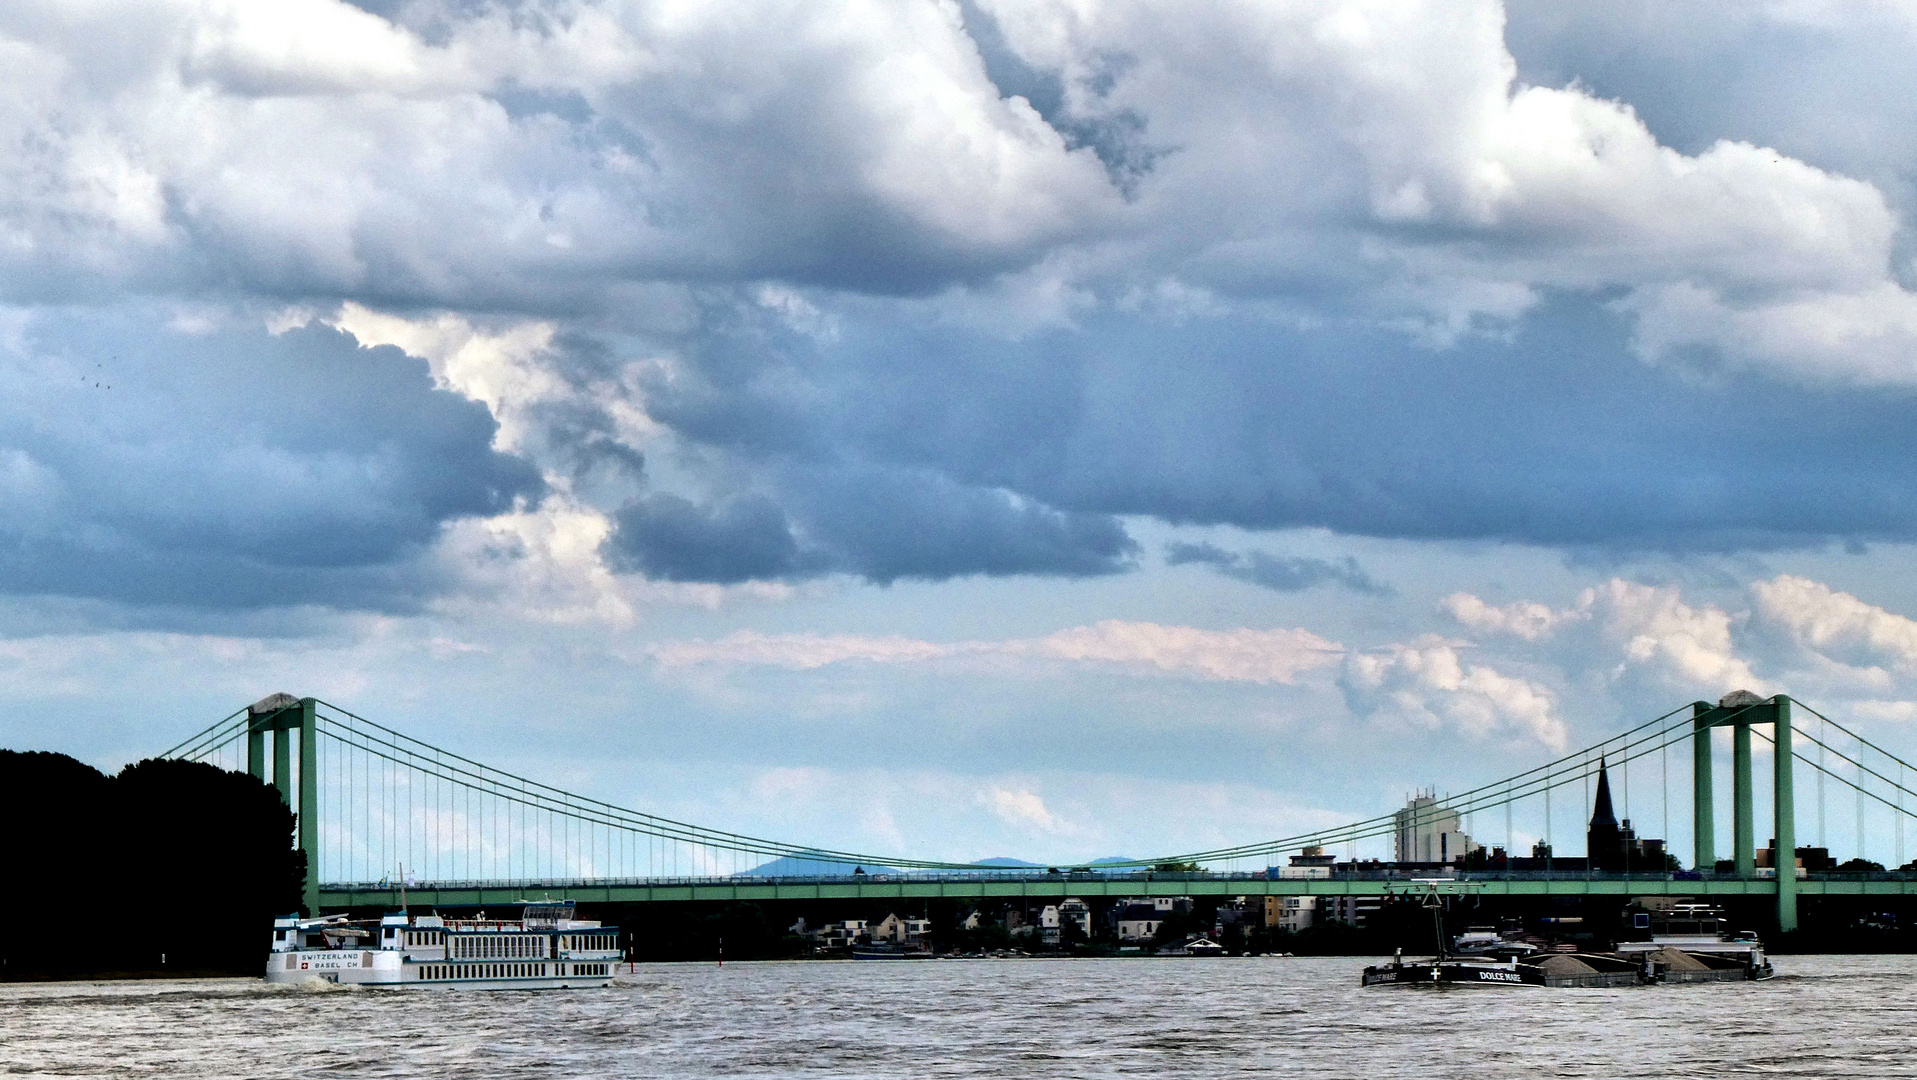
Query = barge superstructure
x=545 y=947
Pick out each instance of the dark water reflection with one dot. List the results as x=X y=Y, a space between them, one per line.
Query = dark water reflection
x=1823 y=1016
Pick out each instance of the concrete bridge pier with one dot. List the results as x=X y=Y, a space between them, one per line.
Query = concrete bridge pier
x=283 y=714
x=1738 y=711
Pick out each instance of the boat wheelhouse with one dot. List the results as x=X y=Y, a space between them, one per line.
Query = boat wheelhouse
x=544 y=948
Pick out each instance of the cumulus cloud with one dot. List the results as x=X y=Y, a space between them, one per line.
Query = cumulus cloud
x=1647 y=629
x=1427 y=682
x=1837 y=624
x=1629 y=646
x=525 y=154
x=922 y=291
x=1526 y=619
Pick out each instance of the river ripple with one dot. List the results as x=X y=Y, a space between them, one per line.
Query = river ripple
x=1822 y=1016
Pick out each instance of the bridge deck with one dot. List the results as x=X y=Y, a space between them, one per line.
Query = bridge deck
x=1043 y=886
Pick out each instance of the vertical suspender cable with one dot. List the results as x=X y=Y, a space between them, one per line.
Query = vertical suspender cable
x=1547 y=818
x=1624 y=784
x=1862 y=845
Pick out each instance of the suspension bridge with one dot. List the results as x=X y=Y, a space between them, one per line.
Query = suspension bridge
x=379 y=812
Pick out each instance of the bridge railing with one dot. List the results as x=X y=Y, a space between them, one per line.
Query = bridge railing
x=535 y=884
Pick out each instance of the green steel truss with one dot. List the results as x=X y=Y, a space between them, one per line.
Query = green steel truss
x=336 y=897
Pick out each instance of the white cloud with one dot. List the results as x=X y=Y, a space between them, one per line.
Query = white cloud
x=1025 y=810
x=1648 y=627
x=1691 y=646
x=318 y=146
x=800 y=652
x=507 y=370
x=1480 y=191
x=1525 y=619
x=1384 y=152
x=1428 y=683
x=1837 y=624
x=1245 y=655
x=1898 y=712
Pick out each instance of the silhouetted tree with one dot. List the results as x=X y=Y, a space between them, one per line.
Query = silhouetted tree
x=106 y=874
x=57 y=847
x=208 y=861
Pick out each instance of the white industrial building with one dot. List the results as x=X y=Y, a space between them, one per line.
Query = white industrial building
x=1427 y=832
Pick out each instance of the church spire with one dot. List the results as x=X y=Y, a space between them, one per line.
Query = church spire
x=1601 y=812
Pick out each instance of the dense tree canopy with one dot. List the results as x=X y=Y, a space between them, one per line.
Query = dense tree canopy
x=169 y=866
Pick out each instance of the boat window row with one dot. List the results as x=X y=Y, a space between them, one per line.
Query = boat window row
x=592 y=969
x=483 y=971
x=425 y=938
x=497 y=947
x=583 y=942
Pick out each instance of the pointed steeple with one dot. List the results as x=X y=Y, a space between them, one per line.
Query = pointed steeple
x=1601 y=813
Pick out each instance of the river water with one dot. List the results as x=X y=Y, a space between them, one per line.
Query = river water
x=1822 y=1016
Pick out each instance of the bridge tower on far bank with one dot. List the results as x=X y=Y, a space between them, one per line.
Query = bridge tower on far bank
x=283 y=714
x=1738 y=711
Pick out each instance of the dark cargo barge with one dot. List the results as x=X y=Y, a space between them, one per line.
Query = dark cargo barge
x=1687 y=944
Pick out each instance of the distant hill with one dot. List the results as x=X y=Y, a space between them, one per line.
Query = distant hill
x=803 y=865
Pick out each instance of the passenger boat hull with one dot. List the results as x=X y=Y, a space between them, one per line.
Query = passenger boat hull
x=372 y=968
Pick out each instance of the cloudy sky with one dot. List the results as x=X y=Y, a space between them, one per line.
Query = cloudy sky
x=1056 y=428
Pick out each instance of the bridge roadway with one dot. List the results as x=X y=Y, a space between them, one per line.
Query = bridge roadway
x=340 y=896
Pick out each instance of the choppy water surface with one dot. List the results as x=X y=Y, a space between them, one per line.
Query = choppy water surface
x=1823 y=1016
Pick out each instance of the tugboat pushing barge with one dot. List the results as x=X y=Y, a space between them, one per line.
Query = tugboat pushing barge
x=544 y=948
x=1688 y=944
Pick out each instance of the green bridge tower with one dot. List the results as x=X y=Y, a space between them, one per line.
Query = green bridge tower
x=282 y=714
x=1738 y=711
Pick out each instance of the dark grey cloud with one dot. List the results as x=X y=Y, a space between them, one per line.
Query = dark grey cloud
x=667 y=537
x=878 y=524
x=1008 y=359
x=1282 y=573
x=1556 y=434
x=233 y=468
x=887 y=524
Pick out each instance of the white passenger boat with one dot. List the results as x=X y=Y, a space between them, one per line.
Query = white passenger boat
x=544 y=948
